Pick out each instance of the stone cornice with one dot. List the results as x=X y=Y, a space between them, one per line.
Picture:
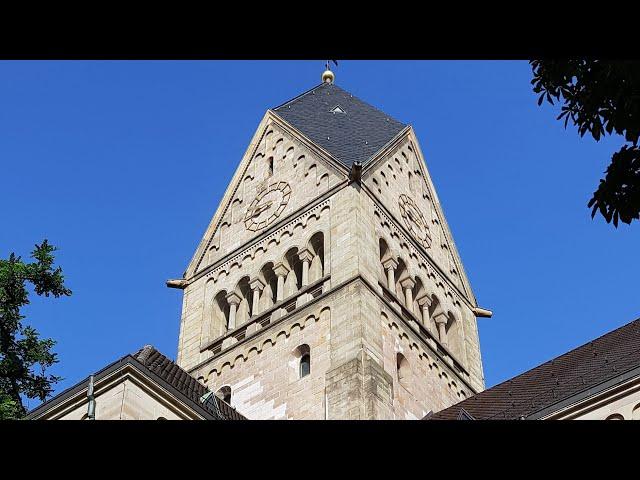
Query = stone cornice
x=242 y=251
x=439 y=352
x=261 y=317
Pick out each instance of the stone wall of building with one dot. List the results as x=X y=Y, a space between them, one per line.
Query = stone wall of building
x=263 y=369
x=124 y=399
x=359 y=328
x=619 y=402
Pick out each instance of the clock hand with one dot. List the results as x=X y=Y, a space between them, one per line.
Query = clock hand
x=260 y=208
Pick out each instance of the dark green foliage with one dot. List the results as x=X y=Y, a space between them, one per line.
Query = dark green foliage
x=24 y=357
x=600 y=97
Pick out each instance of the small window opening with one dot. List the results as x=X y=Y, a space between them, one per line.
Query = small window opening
x=305 y=365
x=224 y=394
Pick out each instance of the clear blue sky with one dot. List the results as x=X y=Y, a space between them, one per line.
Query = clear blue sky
x=122 y=164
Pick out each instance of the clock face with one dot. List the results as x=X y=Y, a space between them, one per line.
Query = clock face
x=267 y=206
x=414 y=220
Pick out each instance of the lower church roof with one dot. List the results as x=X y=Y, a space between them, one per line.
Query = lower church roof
x=164 y=372
x=547 y=387
x=170 y=372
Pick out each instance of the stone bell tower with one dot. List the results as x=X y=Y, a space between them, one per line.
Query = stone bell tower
x=327 y=284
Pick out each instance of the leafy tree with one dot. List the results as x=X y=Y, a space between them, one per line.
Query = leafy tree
x=600 y=97
x=22 y=352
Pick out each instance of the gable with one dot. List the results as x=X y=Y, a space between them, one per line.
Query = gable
x=141 y=386
x=280 y=173
x=400 y=181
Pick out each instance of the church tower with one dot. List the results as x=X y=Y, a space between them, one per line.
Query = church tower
x=327 y=284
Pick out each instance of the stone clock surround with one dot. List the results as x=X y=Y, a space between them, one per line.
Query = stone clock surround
x=284 y=190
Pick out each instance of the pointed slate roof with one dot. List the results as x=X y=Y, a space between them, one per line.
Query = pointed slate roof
x=575 y=373
x=348 y=128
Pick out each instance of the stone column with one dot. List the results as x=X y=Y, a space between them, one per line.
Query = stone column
x=441 y=321
x=305 y=257
x=257 y=286
x=425 y=304
x=281 y=271
x=234 y=300
x=390 y=266
x=407 y=285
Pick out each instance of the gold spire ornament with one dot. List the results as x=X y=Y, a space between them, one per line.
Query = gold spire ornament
x=328 y=76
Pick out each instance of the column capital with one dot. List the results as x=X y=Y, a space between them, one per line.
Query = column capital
x=408 y=282
x=440 y=318
x=280 y=269
x=305 y=254
x=390 y=263
x=233 y=298
x=256 y=284
x=425 y=300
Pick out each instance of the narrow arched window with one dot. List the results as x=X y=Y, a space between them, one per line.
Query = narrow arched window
x=161 y=418
x=270 y=166
x=302 y=360
x=404 y=371
x=224 y=394
x=305 y=365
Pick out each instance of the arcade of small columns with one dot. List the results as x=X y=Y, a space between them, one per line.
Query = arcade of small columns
x=411 y=292
x=275 y=282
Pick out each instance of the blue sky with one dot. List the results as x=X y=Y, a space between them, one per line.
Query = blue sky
x=122 y=164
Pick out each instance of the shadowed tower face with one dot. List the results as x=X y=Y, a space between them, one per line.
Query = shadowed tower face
x=327 y=284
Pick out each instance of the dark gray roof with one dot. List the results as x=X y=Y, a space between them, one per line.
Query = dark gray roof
x=164 y=372
x=170 y=372
x=564 y=379
x=354 y=135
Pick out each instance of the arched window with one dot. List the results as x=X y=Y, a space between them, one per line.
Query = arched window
x=161 y=418
x=316 y=245
x=404 y=371
x=400 y=274
x=305 y=365
x=269 y=292
x=243 y=312
x=219 y=316
x=293 y=279
x=270 y=166
x=224 y=394
x=615 y=416
x=454 y=336
x=301 y=360
x=635 y=415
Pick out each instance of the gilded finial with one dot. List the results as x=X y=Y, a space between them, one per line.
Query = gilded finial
x=328 y=76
